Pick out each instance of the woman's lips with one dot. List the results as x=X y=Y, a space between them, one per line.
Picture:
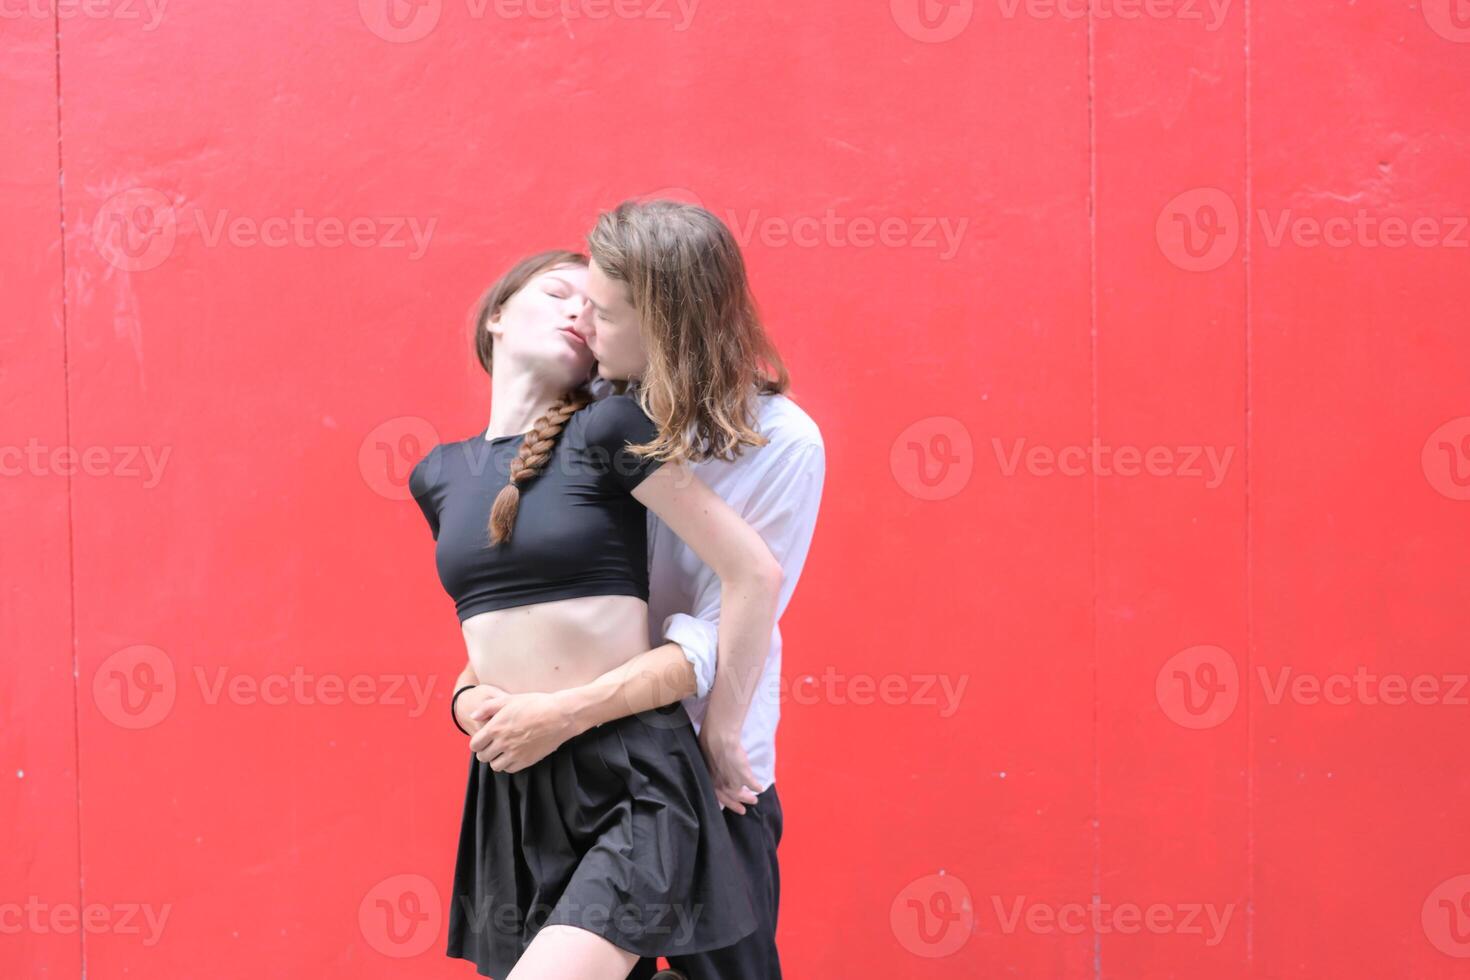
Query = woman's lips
x=576 y=337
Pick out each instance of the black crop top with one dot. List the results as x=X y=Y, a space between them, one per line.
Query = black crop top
x=578 y=531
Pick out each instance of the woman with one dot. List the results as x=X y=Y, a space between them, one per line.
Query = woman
x=612 y=847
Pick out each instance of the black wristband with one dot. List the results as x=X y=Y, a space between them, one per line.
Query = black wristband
x=452 y=716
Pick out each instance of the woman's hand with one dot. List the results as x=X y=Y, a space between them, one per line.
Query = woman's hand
x=735 y=785
x=519 y=730
x=466 y=703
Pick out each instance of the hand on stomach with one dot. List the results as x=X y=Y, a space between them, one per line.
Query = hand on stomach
x=551 y=646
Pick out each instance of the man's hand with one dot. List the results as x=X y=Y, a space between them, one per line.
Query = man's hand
x=519 y=730
x=735 y=785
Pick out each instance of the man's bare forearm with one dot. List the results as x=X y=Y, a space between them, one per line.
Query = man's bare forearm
x=650 y=680
x=747 y=617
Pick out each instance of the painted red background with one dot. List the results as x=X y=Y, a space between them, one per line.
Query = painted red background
x=1132 y=197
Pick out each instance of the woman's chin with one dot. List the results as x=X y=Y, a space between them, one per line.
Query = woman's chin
x=577 y=371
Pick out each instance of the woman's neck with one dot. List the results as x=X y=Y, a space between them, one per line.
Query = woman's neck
x=517 y=399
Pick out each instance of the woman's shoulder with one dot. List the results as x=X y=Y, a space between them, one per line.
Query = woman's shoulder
x=439 y=465
x=427 y=472
x=615 y=420
x=615 y=405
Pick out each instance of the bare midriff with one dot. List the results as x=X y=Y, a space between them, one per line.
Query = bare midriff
x=551 y=646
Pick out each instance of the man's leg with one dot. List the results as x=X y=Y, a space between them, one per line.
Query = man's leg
x=755 y=834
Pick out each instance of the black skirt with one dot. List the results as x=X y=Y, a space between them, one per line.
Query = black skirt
x=618 y=832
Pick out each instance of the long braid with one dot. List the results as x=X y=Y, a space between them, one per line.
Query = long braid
x=535 y=451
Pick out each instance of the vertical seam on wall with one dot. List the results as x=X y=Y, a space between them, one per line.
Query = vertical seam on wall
x=1250 y=740
x=1096 y=427
x=71 y=576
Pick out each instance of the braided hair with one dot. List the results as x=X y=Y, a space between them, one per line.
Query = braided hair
x=531 y=460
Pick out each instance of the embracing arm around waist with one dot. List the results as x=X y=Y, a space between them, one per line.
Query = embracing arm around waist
x=651 y=680
x=658 y=677
x=783 y=511
x=752 y=580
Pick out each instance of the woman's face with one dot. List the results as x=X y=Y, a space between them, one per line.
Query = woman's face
x=541 y=326
x=614 y=330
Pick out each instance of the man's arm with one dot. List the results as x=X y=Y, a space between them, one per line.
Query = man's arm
x=513 y=731
x=522 y=729
x=650 y=680
x=784 y=512
x=750 y=585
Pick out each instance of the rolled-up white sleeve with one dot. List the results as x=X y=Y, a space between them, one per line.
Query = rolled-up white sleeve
x=783 y=510
x=700 y=641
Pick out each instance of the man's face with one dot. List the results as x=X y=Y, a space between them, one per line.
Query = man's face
x=614 y=331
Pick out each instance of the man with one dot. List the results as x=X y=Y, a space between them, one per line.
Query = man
x=671 y=305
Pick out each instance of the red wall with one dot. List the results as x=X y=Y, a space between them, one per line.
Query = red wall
x=224 y=699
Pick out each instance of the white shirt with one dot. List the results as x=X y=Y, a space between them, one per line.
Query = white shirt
x=776 y=488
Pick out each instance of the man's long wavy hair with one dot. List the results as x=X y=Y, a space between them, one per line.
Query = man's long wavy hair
x=708 y=353
x=536 y=448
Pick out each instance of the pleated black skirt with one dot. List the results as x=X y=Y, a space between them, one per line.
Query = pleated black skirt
x=618 y=832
